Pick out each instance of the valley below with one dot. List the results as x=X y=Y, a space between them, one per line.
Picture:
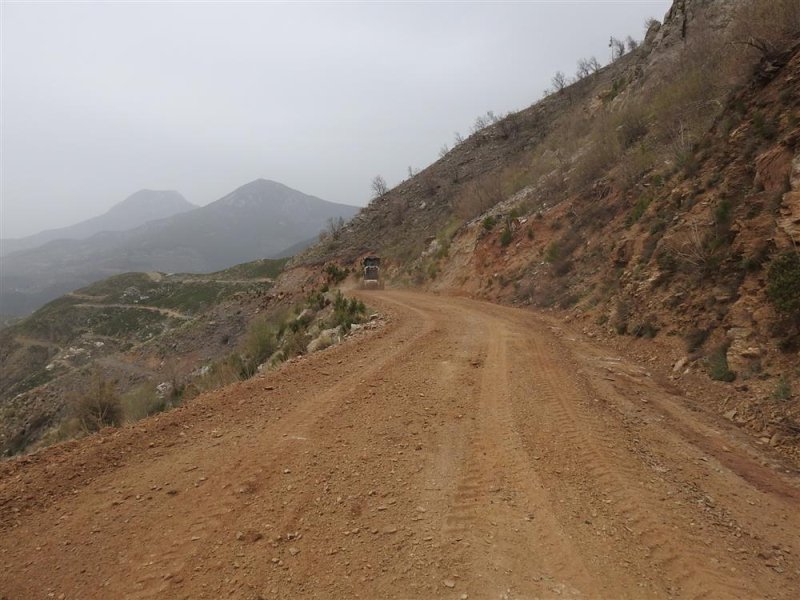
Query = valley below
x=462 y=450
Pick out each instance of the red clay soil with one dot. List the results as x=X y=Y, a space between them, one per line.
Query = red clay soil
x=465 y=450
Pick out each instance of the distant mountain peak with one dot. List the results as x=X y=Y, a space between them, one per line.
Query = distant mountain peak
x=135 y=210
x=157 y=200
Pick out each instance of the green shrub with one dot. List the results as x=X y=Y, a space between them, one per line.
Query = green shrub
x=718 y=368
x=723 y=212
x=336 y=274
x=346 y=312
x=316 y=299
x=783 y=389
x=489 y=223
x=506 y=237
x=552 y=253
x=638 y=210
x=783 y=282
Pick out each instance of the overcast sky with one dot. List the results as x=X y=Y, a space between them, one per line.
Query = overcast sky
x=100 y=100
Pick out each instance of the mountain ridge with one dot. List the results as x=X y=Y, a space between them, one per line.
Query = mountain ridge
x=135 y=210
x=260 y=219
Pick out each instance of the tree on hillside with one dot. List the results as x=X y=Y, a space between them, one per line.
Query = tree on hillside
x=334 y=227
x=617 y=48
x=595 y=65
x=379 y=187
x=768 y=26
x=583 y=69
x=631 y=43
x=559 y=81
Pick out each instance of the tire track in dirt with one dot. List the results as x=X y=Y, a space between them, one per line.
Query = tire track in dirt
x=463 y=449
x=501 y=506
x=675 y=555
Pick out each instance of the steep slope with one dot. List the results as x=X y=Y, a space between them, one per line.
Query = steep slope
x=257 y=220
x=135 y=210
x=655 y=198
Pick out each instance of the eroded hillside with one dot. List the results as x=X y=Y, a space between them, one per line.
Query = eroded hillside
x=657 y=198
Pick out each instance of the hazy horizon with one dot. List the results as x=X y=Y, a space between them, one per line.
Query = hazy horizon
x=102 y=100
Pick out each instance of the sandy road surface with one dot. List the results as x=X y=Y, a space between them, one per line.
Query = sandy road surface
x=464 y=450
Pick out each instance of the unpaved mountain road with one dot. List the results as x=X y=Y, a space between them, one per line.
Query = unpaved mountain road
x=464 y=450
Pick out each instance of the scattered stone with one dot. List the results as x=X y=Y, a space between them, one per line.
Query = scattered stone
x=751 y=352
x=731 y=414
x=249 y=537
x=449 y=583
x=680 y=364
x=294 y=551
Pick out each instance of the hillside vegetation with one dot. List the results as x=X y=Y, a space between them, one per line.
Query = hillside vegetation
x=133 y=329
x=658 y=197
x=139 y=343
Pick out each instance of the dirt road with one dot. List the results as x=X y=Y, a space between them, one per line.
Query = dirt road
x=465 y=450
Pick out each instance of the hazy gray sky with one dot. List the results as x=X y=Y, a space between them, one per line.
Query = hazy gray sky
x=100 y=99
